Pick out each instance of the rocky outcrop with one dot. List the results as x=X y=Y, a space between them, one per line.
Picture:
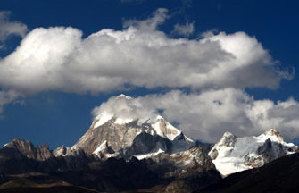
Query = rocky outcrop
x=145 y=143
x=104 y=151
x=67 y=151
x=183 y=164
x=118 y=136
x=27 y=149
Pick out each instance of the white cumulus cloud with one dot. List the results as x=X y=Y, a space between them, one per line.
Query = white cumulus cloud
x=59 y=58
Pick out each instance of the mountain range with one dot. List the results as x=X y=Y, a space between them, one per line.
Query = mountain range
x=143 y=154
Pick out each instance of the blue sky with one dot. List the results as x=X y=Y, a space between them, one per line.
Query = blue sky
x=60 y=116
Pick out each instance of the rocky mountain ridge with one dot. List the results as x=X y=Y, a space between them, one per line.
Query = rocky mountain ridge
x=151 y=136
x=142 y=143
x=26 y=148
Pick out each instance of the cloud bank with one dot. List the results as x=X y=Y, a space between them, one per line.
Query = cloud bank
x=139 y=56
x=208 y=114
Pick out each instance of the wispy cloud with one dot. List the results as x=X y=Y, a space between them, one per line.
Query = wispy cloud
x=8 y=28
x=184 y=29
x=7 y=97
x=159 y=16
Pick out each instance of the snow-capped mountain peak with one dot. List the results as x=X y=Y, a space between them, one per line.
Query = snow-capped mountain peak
x=123 y=110
x=159 y=125
x=126 y=126
x=227 y=140
x=272 y=134
x=232 y=154
x=164 y=128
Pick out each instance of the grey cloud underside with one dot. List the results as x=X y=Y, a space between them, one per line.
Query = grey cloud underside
x=140 y=56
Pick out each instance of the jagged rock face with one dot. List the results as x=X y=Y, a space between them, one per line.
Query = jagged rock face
x=268 y=152
x=184 y=163
x=104 y=151
x=67 y=151
x=165 y=129
x=145 y=143
x=191 y=170
x=22 y=156
x=26 y=148
x=181 y=143
x=118 y=136
x=232 y=154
